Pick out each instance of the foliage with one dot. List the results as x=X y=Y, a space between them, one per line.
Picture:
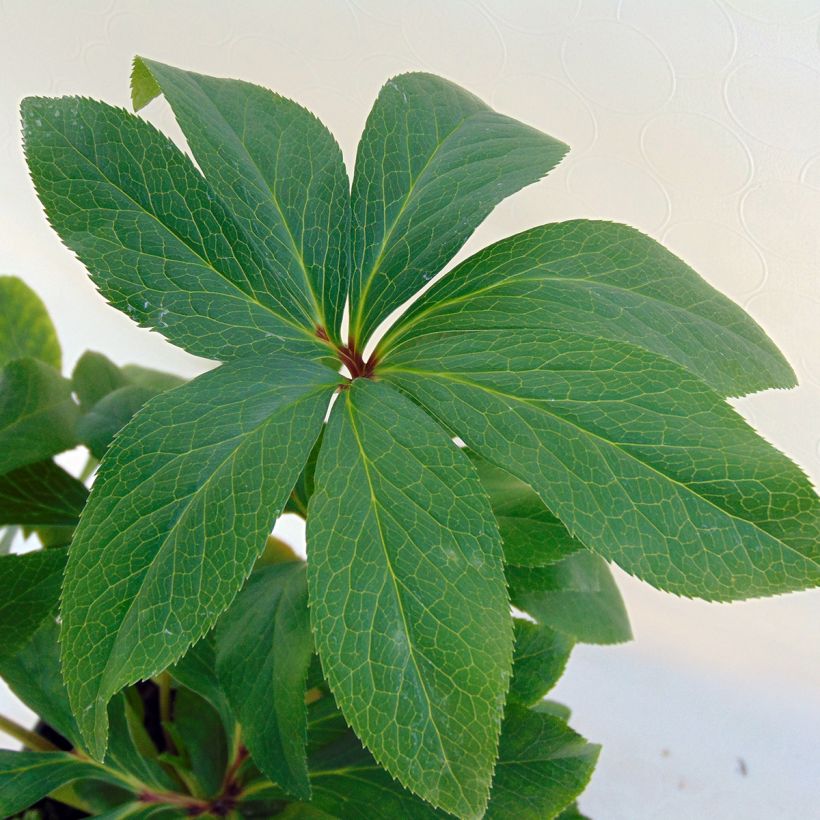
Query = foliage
x=584 y=366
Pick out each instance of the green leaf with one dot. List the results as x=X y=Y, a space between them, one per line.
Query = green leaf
x=180 y=510
x=201 y=730
x=638 y=458
x=26 y=777
x=157 y=241
x=407 y=596
x=97 y=427
x=94 y=377
x=608 y=281
x=141 y=811
x=31 y=590
x=156 y=380
x=576 y=597
x=263 y=650
x=277 y=168
x=541 y=654
x=26 y=330
x=349 y=784
x=303 y=489
x=532 y=535
x=572 y=812
x=37 y=414
x=432 y=163
x=196 y=670
x=542 y=766
x=41 y=494
x=33 y=674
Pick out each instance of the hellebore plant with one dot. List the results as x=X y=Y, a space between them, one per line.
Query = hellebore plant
x=583 y=366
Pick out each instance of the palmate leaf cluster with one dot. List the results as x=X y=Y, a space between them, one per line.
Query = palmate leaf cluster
x=584 y=367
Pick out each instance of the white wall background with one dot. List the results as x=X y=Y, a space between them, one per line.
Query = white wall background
x=697 y=121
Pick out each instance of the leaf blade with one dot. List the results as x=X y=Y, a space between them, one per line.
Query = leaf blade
x=397 y=511
x=124 y=198
x=26 y=329
x=176 y=495
x=606 y=280
x=641 y=460
x=264 y=648
x=277 y=167
x=432 y=163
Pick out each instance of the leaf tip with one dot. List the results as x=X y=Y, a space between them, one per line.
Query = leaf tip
x=144 y=87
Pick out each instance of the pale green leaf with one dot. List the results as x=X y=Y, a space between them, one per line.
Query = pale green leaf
x=157 y=241
x=41 y=494
x=407 y=596
x=542 y=767
x=178 y=514
x=639 y=459
x=37 y=414
x=432 y=163
x=31 y=591
x=264 y=647
x=576 y=596
x=26 y=330
x=604 y=280
x=97 y=427
x=278 y=169
x=541 y=654
x=94 y=377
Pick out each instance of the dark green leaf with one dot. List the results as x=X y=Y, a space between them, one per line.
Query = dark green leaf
x=532 y=535
x=41 y=494
x=37 y=414
x=542 y=767
x=608 y=281
x=541 y=654
x=432 y=163
x=196 y=670
x=26 y=777
x=577 y=597
x=31 y=590
x=572 y=813
x=303 y=490
x=156 y=380
x=263 y=650
x=157 y=241
x=278 y=169
x=407 y=596
x=26 y=330
x=203 y=735
x=180 y=510
x=638 y=458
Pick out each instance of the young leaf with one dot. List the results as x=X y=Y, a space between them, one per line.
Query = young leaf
x=407 y=596
x=97 y=427
x=542 y=766
x=155 y=238
x=94 y=377
x=26 y=330
x=180 y=510
x=263 y=650
x=640 y=460
x=432 y=163
x=576 y=597
x=37 y=414
x=41 y=494
x=604 y=280
x=31 y=590
x=532 y=535
x=541 y=654
x=26 y=777
x=278 y=169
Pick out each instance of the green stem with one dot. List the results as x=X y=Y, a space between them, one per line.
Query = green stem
x=28 y=738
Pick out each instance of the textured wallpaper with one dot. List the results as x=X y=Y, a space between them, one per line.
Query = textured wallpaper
x=696 y=121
